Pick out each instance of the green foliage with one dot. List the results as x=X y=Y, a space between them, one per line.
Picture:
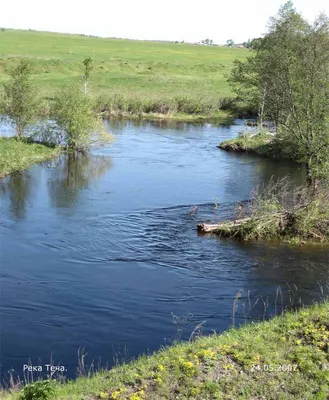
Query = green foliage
x=74 y=115
x=20 y=102
x=208 y=42
x=253 y=44
x=40 y=390
x=287 y=79
x=279 y=211
x=88 y=63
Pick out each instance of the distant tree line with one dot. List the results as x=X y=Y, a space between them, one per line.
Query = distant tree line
x=208 y=42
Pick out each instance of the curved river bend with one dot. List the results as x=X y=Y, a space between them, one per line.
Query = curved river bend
x=98 y=252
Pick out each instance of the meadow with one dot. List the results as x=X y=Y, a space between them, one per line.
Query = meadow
x=191 y=76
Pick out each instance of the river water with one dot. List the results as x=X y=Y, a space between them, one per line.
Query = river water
x=100 y=251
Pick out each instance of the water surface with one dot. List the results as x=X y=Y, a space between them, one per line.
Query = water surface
x=99 y=251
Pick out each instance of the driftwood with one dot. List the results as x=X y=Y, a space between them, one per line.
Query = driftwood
x=222 y=227
x=280 y=224
x=233 y=228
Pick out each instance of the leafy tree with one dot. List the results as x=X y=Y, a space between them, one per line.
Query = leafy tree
x=252 y=44
x=306 y=117
x=230 y=43
x=207 y=42
x=287 y=80
x=73 y=113
x=245 y=82
x=88 y=63
x=80 y=127
x=19 y=102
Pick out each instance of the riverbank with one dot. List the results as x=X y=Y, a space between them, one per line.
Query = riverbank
x=284 y=358
x=294 y=215
x=309 y=224
x=264 y=144
x=16 y=155
x=218 y=117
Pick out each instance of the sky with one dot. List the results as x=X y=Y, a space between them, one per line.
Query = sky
x=187 y=20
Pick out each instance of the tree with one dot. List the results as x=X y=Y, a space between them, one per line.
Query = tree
x=208 y=42
x=230 y=43
x=287 y=79
x=73 y=113
x=254 y=43
x=19 y=102
x=88 y=63
x=306 y=118
x=245 y=82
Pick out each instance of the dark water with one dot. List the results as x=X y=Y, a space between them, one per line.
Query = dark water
x=99 y=251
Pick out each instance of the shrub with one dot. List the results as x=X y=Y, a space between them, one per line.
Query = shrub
x=40 y=390
x=74 y=114
x=20 y=101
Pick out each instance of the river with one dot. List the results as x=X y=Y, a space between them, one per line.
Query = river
x=101 y=251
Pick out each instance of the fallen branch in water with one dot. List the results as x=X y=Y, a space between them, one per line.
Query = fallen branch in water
x=208 y=228
x=282 y=225
x=279 y=211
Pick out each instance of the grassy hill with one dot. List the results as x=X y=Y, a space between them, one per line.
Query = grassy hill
x=134 y=69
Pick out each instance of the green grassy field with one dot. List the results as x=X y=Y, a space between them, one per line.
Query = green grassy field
x=134 y=69
x=284 y=358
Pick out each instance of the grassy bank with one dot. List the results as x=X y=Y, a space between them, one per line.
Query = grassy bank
x=284 y=358
x=263 y=144
x=16 y=154
x=295 y=215
x=279 y=211
x=169 y=78
x=179 y=108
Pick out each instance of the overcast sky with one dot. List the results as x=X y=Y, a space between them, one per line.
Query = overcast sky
x=151 y=19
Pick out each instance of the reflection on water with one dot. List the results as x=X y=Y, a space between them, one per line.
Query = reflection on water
x=99 y=250
x=18 y=186
x=72 y=173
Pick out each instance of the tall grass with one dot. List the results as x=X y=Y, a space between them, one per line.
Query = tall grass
x=281 y=211
x=122 y=105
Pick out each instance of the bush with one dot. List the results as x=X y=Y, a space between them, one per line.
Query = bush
x=74 y=113
x=19 y=101
x=40 y=390
x=297 y=214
